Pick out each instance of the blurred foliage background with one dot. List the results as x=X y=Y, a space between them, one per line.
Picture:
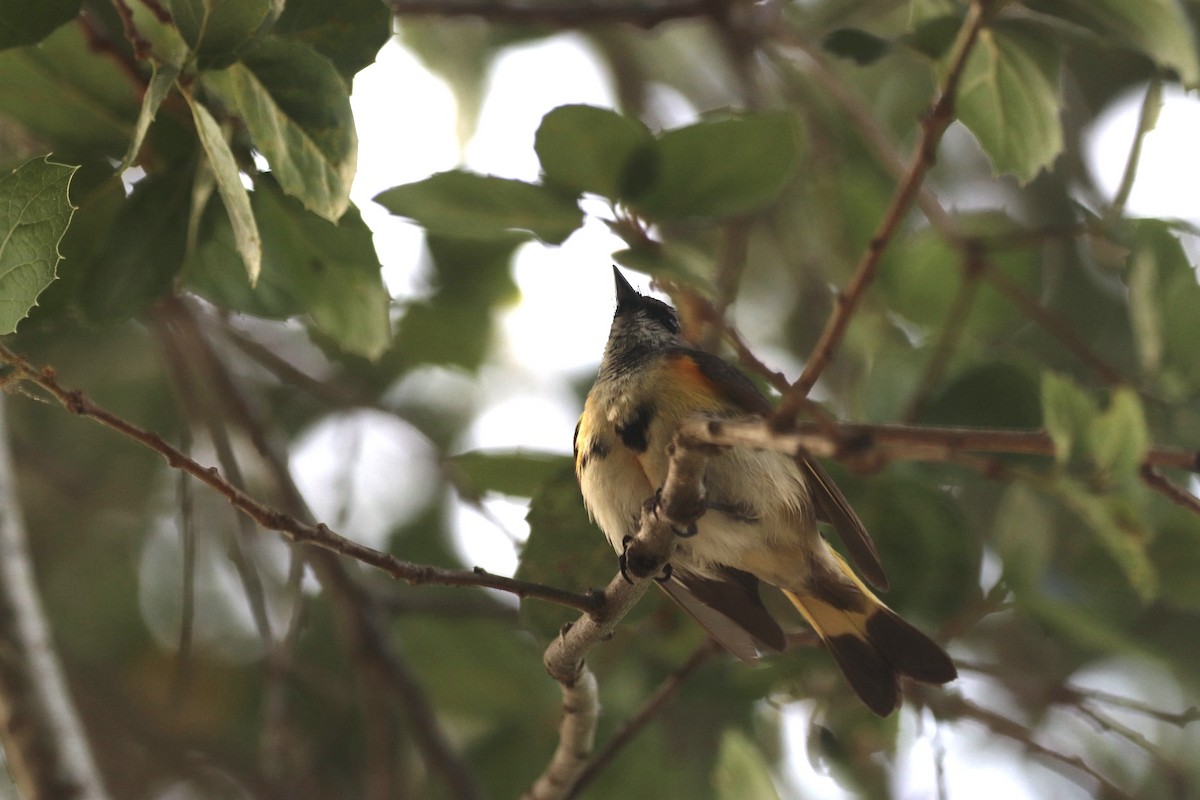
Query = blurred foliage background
x=218 y=288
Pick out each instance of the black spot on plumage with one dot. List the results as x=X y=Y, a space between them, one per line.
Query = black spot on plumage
x=635 y=432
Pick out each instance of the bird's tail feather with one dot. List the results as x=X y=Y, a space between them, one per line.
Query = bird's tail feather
x=872 y=644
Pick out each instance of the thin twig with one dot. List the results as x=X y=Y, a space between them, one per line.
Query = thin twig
x=1166 y=487
x=1054 y=325
x=1151 y=105
x=181 y=360
x=846 y=302
x=650 y=708
x=947 y=706
x=319 y=535
x=363 y=623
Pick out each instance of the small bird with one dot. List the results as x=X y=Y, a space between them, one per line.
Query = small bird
x=762 y=510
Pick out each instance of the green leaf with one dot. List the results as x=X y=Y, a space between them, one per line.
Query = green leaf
x=454 y=326
x=1160 y=29
x=35 y=210
x=69 y=96
x=1164 y=304
x=348 y=33
x=672 y=259
x=1067 y=411
x=1118 y=528
x=229 y=186
x=297 y=109
x=1118 y=437
x=143 y=252
x=588 y=149
x=1008 y=97
x=310 y=265
x=924 y=274
x=1153 y=245
x=470 y=206
x=933 y=36
x=514 y=472
x=217 y=30
x=91 y=225
x=564 y=549
x=718 y=168
x=216 y=271
x=741 y=771
x=862 y=47
x=161 y=83
x=25 y=22
x=334 y=271
x=994 y=394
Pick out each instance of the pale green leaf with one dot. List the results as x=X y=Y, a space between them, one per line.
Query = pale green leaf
x=471 y=206
x=1160 y=29
x=160 y=85
x=741 y=771
x=1153 y=243
x=35 y=210
x=1009 y=98
x=1118 y=437
x=297 y=109
x=229 y=186
x=1067 y=411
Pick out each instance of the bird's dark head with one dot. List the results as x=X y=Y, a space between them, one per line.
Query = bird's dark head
x=640 y=326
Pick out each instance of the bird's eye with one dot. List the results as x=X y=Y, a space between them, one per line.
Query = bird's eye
x=664 y=315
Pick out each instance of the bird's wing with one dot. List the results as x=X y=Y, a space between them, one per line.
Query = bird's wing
x=830 y=503
x=832 y=507
x=730 y=609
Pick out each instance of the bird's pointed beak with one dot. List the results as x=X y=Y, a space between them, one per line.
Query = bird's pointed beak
x=625 y=293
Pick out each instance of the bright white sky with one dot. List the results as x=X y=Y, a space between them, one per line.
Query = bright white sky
x=406 y=125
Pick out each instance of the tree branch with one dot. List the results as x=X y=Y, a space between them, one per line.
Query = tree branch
x=44 y=743
x=270 y=518
x=846 y=302
x=653 y=705
x=677 y=506
x=363 y=625
x=576 y=735
x=850 y=441
x=570 y=14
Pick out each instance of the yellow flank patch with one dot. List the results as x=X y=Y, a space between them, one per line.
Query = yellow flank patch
x=828 y=621
x=701 y=393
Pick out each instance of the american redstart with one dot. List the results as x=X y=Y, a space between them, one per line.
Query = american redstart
x=762 y=510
